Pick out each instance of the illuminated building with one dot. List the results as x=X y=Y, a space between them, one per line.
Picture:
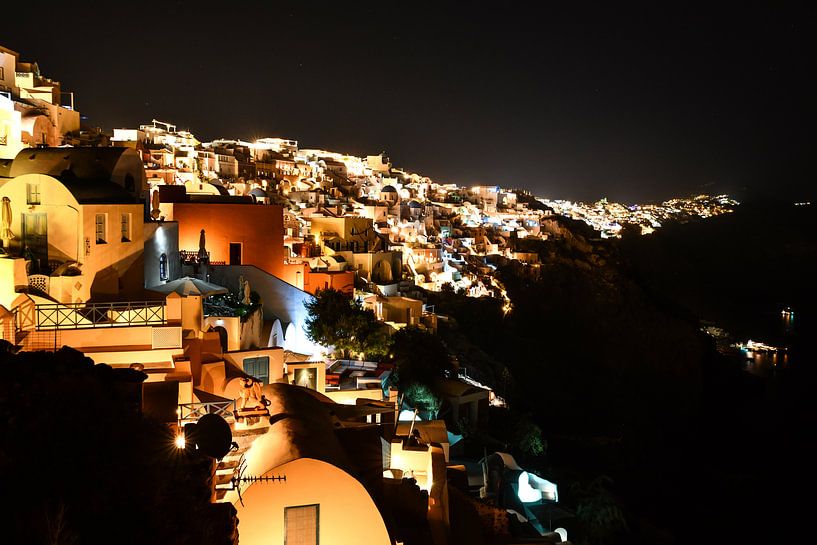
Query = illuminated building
x=78 y=218
x=320 y=501
x=43 y=118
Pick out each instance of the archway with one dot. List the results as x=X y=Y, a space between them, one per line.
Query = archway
x=222 y=337
x=382 y=273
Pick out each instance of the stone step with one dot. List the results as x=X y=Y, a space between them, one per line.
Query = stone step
x=222 y=479
x=228 y=464
x=249 y=432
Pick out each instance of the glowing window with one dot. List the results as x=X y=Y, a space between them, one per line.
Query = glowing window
x=125 y=227
x=163 y=267
x=32 y=193
x=306 y=377
x=101 y=228
x=301 y=525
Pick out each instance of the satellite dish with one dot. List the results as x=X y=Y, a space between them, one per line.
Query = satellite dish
x=211 y=435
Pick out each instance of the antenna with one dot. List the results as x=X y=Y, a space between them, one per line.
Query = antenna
x=239 y=478
x=413 y=420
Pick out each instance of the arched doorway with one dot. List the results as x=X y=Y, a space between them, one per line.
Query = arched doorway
x=222 y=337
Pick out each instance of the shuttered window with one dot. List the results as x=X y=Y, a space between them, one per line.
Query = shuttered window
x=258 y=367
x=301 y=525
x=101 y=228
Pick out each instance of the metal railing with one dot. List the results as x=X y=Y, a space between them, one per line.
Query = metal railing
x=81 y=315
x=190 y=412
x=191 y=257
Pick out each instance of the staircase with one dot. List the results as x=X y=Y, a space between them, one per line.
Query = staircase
x=244 y=435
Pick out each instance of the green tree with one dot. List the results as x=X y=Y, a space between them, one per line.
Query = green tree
x=528 y=437
x=420 y=397
x=419 y=357
x=599 y=511
x=447 y=287
x=338 y=321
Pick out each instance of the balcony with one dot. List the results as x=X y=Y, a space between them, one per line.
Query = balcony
x=95 y=315
x=191 y=257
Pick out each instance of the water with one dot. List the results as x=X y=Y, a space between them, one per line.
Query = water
x=767 y=342
x=764 y=364
x=784 y=329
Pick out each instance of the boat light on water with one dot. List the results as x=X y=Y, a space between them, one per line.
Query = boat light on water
x=755 y=346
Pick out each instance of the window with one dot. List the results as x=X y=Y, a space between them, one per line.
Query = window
x=100 y=228
x=301 y=525
x=306 y=377
x=258 y=367
x=125 y=227
x=163 y=267
x=32 y=193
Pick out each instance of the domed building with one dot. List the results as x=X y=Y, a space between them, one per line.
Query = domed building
x=414 y=210
x=320 y=501
x=390 y=195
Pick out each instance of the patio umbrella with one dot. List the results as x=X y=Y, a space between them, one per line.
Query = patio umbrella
x=189 y=286
x=202 y=248
x=5 y=230
x=154 y=202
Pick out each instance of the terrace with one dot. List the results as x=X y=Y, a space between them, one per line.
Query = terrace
x=92 y=315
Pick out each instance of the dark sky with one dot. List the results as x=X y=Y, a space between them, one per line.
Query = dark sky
x=631 y=103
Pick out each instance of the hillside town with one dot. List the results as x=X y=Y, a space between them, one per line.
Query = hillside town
x=205 y=265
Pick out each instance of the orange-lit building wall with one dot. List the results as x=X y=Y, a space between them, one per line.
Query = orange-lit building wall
x=258 y=228
x=346 y=513
x=341 y=281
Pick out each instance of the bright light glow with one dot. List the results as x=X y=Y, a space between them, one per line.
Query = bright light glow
x=533 y=488
x=408 y=416
x=161 y=239
x=562 y=533
x=608 y=217
x=526 y=493
x=180 y=442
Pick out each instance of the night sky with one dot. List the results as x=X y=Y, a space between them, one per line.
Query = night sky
x=582 y=102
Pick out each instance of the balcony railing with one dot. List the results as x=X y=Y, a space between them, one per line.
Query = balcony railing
x=80 y=315
x=191 y=257
x=191 y=412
